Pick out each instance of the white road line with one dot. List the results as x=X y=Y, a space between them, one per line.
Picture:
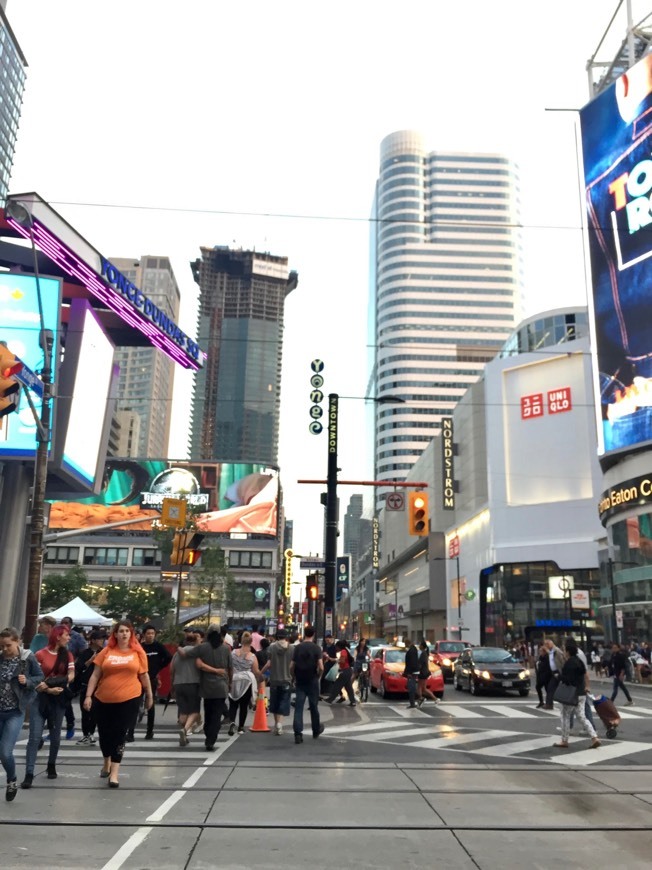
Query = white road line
x=409 y=712
x=370 y=726
x=456 y=740
x=516 y=747
x=167 y=805
x=459 y=712
x=125 y=852
x=584 y=756
x=194 y=778
x=509 y=712
x=389 y=736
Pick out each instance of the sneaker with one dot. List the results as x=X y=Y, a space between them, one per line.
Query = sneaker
x=241 y=731
x=183 y=737
x=629 y=704
x=197 y=726
x=321 y=731
x=595 y=743
x=298 y=738
x=27 y=782
x=278 y=730
x=231 y=729
x=84 y=741
x=353 y=704
x=12 y=788
x=70 y=733
x=340 y=700
x=92 y=739
x=420 y=702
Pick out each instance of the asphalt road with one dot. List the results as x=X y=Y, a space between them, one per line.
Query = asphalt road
x=470 y=782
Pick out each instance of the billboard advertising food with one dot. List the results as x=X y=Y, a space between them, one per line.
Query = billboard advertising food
x=20 y=331
x=616 y=146
x=230 y=497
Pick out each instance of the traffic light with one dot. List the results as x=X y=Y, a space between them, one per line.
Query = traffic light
x=177 y=557
x=417 y=513
x=288 y=572
x=312 y=587
x=192 y=557
x=9 y=388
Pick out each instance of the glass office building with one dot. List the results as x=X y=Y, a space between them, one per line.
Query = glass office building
x=12 y=84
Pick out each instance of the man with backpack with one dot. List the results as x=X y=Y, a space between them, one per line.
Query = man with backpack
x=306 y=669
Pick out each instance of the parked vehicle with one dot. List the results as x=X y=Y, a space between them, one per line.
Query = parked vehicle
x=386 y=674
x=485 y=668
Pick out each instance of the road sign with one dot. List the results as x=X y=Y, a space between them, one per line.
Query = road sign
x=173 y=512
x=619 y=619
x=328 y=620
x=395 y=501
x=580 y=599
x=312 y=564
x=29 y=379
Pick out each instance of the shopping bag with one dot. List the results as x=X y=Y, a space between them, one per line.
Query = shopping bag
x=331 y=676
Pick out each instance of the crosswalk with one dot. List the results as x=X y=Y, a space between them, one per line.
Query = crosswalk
x=479 y=710
x=492 y=742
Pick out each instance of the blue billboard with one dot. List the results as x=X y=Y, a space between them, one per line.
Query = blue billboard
x=20 y=329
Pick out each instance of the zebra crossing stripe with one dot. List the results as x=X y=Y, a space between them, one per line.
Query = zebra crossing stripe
x=410 y=712
x=389 y=737
x=453 y=740
x=583 y=756
x=510 y=712
x=516 y=747
x=460 y=712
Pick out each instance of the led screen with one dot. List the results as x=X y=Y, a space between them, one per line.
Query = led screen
x=230 y=497
x=19 y=330
x=616 y=146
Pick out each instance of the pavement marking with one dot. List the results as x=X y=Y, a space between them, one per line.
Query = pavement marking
x=584 y=756
x=409 y=712
x=369 y=726
x=455 y=740
x=510 y=712
x=166 y=806
x=194 y=778
x=516 y=747
x=125 y=851
x=459 y=712
x=389 y=737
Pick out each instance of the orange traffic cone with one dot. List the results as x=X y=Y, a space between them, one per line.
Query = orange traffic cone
x=260 y=716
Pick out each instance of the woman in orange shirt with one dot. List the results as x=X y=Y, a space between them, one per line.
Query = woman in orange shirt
x=119 y=676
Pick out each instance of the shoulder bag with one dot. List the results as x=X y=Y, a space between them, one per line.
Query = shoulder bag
x=566 y=695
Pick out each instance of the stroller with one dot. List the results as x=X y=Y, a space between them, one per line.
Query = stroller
x=608 y=713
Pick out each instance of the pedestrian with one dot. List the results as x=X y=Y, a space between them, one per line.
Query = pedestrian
x=619 y=669
x=362 y=656
x=424 y=675
x=53 y=695
x=119 y=676
x=306 y=669
x=345 y=676
x=256 y=638
x=330 y=659
x=262 y=656
x=280 y=680
x=246 y=675
x=544 y=673
x=158 y=658
x=76 y=645
x=574 y=673
x=556 y=662
x=184 y=677
x=411 y=670
x=20 y=674
x=213 y=659
x=40 y=639
x=83 y=671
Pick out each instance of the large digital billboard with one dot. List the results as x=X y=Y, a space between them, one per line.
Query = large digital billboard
x=239 y=498
x=20 y=329
x=617 y=153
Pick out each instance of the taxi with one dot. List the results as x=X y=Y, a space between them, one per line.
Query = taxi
x=386 y=674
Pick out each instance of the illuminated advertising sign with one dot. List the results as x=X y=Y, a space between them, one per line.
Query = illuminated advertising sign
x=624 y=496
x=375 y=544
x=20 y=331
x=531 y=406
x=617 y=145
x=343 y=575
x=448 y=471
x=231 y=498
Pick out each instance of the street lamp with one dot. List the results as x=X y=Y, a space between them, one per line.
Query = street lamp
x=19 y=213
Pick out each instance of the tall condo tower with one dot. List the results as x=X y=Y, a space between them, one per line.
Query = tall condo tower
x=237 y=396
x=12 y=84
x=446 y=261
x=144 y=400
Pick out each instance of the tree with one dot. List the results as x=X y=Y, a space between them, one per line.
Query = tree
x=138 y=604
x=59 y=589
x=238 y=598
x=212 y=578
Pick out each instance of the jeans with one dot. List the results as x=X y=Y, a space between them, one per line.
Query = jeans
x=87 y=716
x=53 y=717
x=412 y=688
x=11 y=721
x=311 y=692
x=619 y=684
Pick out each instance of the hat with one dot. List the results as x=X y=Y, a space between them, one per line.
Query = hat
x=228 y=639
x=281 y=634
x=328 y=634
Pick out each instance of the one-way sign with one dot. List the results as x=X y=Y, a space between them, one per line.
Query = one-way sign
x=29 y=379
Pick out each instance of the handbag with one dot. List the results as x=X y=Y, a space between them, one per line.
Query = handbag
x=331 y=676
x=566 y=695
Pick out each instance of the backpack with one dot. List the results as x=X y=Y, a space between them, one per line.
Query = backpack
x=305 y=666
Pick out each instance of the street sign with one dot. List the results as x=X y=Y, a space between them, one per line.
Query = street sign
x=328 y=620
x=312 y=564
x=395 y=501
x=29 y=379
x=173 y=512
x=619 y=619
x=454 y=547
x=580 y=599
x=368 y=619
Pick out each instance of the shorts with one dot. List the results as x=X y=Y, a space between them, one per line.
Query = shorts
x=187 y=696
x=279 y=700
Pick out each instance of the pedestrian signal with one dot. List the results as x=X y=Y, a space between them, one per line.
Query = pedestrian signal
x=417 y=513
x=312 y=587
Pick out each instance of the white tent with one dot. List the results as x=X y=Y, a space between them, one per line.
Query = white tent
x=80 y=613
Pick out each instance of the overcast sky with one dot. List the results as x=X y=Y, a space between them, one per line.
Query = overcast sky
x=155 y=127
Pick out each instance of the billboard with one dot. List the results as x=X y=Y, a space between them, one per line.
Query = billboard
x=238 y=498
x=20 y=330
x=616 y=146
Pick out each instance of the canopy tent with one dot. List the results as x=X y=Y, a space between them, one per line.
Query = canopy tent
x=80 y=613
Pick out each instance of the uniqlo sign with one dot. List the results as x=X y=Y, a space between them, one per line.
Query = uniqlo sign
x=531 y=406
x=559 y=400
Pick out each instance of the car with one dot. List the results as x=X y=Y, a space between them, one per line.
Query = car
x=386 y=673
x=490 y=668
x=445 y=654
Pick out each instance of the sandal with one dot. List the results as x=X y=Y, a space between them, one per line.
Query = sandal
x=104 y=773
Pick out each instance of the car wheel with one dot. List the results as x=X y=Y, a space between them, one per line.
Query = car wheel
x=457 y=685
x=381 y=689
x=473 y=687
x=524 y=692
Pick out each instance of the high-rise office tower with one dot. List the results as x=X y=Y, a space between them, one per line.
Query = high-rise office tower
x=352 y=519
x=237 y=396
x=12 y=84
x=446 y=260
x=144 y=399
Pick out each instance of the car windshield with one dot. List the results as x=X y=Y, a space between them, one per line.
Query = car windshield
x=452 y=646
x=393 y=656
x=493 y=655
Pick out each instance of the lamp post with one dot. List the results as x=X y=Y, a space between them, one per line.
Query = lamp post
x=18 y=212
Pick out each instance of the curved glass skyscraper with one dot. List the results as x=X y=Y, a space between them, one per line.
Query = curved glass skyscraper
x=446 y=259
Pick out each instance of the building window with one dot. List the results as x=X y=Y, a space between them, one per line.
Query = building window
x=145 y=556
x=62 y=556
x=250 y=559
x=106 y=556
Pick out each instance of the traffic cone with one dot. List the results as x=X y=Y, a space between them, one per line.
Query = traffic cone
x=260 y=716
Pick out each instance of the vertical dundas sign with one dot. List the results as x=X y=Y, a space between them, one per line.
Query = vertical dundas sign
x=447 y=462
x=616 y=143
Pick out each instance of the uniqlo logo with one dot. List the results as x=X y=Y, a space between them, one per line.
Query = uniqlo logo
x=559 y=400
x=531 y=406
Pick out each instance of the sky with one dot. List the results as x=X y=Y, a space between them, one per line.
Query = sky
x=155 y=127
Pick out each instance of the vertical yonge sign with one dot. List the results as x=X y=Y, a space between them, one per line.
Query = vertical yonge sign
x=448 y=475
x=152 y=312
